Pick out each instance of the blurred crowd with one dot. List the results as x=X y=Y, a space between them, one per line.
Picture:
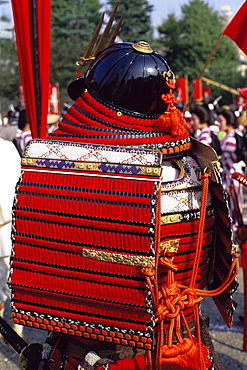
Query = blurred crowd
x=224 y=128
x=16 y=128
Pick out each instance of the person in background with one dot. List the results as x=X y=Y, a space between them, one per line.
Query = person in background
x=52 y=121
x=228 y=123
x=10 y=167
x=188 y=120
x=202 y=119
x=212 y=104
x=9 y=130
x=25 y=134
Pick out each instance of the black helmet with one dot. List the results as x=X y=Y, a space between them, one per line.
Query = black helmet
x=129 y=76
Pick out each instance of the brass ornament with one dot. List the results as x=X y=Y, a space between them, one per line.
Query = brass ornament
x=171 y=219
x=85 y=166
x=142 y=47
x=28 y=161
x=122 y=259
x=169 y=246
x=169 y=75
x=152 y=171
x=234 y=249
x=177 y=217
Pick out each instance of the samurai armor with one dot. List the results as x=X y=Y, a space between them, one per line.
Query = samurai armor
x=84 y=229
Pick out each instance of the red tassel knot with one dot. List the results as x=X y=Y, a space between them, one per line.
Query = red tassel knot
x=173 y=302
x=171 y=83
x=168 y=263
x=206 y=175
x=148 y=272
x=172 y=121
x=192 y=296
x=169 y=98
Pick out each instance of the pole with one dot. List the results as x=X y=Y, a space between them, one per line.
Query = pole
x=222 y=86
x=36 y=64
x=203 y=70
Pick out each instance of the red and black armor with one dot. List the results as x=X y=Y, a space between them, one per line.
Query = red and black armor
x=110 y=251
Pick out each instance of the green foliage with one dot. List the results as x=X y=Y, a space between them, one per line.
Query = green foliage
x=188 y=42
x=9 y=71
x=4 y=18
x=73 y=24
x=137 y=20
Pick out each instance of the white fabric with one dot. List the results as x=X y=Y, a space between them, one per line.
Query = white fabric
x=88 y=152
x=4 y=271
x=181 y=186
x=170 y=171
x=10 y=168
x=92 y=357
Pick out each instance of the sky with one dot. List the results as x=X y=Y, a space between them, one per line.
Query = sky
x=162 y=8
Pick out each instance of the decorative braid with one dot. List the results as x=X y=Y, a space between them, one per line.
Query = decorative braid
x=117 y=117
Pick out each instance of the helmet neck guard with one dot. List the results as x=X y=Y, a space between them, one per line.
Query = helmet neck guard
x=92 y=121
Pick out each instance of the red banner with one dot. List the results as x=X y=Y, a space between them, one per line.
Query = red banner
x=78 y=71
x=54 y=102
x=182 y=90
x=241 y=100
x=32 y=20
x=21 y=95
x=236 y=29
x=197 y=85
x=206 y=92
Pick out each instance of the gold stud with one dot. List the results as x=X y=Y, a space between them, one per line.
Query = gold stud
x=143 y=47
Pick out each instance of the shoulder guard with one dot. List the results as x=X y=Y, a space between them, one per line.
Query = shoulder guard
x=207 y=158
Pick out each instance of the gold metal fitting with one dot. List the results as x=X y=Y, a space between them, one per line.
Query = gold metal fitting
x=169 y=247
x=143 y=47
x=234 y=248
x=169 y=75
x=84 y=61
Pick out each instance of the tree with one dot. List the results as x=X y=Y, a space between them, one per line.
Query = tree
x=136 y=25
x=9 y=68
x=73 y=24
x=9 y=71
x=188 y=42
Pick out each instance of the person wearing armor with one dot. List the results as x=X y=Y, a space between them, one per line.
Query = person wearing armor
x=121 y=226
